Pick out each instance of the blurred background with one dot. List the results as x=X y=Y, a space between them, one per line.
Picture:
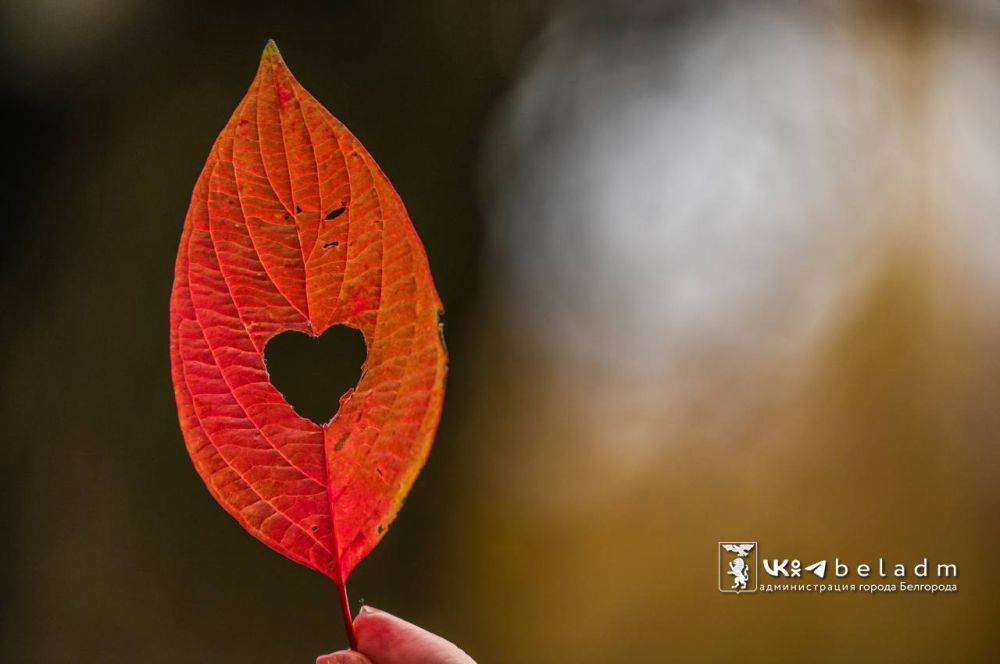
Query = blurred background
x=712 y=271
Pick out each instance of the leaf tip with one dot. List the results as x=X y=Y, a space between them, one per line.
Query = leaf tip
x=270 y=51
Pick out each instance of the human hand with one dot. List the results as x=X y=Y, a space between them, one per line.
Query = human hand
x=385 y=639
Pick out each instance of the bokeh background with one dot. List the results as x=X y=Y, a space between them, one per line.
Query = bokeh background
x=712 y=271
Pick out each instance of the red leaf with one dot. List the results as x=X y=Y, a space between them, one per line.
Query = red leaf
x=293 y=226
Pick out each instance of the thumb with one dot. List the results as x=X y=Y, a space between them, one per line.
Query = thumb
x=386 y=639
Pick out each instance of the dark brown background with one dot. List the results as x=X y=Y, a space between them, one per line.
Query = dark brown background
x=553 y=522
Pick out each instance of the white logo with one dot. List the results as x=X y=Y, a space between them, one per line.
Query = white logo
x=819 y=569
x=793 y=568
x=801 y=576
x=738 y=567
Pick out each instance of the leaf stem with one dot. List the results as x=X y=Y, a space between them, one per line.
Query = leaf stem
x=345 y=611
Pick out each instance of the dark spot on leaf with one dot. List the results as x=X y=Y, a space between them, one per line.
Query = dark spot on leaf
x=298 y=210
x=340 y=443
x=314 y=528
x=287 y=217
x=381 y=528
x=335 y=243
x=379 y=471
x=333 y=214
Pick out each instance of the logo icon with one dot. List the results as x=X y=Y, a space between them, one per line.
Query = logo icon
x=819 y=569
x=738 y=567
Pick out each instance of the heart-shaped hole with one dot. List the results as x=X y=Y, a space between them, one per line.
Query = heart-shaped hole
x=313 y=373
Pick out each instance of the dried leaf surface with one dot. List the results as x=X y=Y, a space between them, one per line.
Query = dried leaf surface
x=293 y=226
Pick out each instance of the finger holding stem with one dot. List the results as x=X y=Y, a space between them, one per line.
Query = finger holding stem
x=385 y=639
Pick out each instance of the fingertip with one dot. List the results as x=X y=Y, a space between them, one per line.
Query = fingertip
x=343 y=657
x=387 y=639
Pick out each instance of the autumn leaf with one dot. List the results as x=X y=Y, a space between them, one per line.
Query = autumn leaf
x=293 y=226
